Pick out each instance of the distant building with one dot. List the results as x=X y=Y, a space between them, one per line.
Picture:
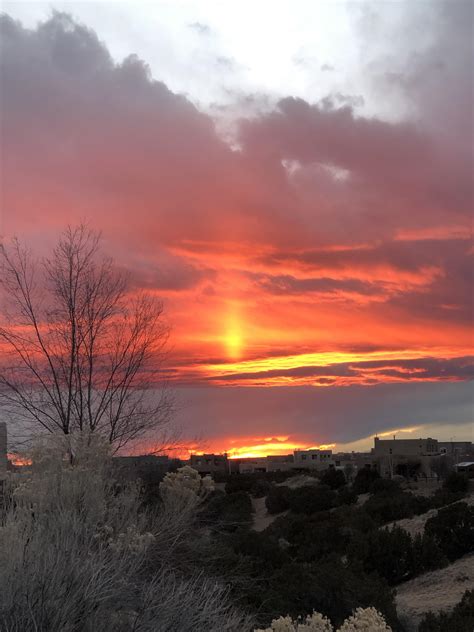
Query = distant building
x=351 y=462
x=466 y=467
x=3 y=447
x=210 y=463
x=272 y=463
x=457 y=449
x=280 y=462
x=313 y=459
x=299 y=460
x=252 y=465
x=405 y=447
x=408 y=457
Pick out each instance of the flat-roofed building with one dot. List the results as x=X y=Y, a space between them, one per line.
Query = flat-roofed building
x=252 y=465
x=313 y=459
x=457 y=449
x=210 y=463
x=405 y=447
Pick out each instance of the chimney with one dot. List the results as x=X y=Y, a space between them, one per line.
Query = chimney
x=3 y=446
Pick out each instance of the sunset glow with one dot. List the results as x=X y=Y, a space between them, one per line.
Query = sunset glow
x=304 y=213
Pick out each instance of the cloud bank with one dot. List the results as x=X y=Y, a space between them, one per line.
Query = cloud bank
x=315 y=235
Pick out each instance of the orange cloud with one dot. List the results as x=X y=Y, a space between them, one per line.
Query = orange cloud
x=327 y=249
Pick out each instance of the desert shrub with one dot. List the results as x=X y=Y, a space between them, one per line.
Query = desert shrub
x=363 y=620
x=239 y=483
x=453 y=529
x=355 y=519
x=456 y=482
x=443 y=497
x=460 y=619
x=389 y=552
x=258 y=546
x=228 y=511
x=310 y=537
x=78 y=554
x=384 y=486
x=427 y=555
x=333 y=478
x=260 y=488
x=387 y=507
x=364 y=480
x=278 y=499
x=327 y=587
x=187 y=482
x=312 y=498
x=311 y=623
x=346 y=496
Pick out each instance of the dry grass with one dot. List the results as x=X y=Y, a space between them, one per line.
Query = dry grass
x=438 y=590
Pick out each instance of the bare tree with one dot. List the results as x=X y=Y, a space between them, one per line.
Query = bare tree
x=80 y=352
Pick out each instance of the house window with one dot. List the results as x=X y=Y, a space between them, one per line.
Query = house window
x=303 y=457
x=314 y=456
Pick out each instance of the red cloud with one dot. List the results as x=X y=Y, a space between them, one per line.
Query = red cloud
x=322 y=231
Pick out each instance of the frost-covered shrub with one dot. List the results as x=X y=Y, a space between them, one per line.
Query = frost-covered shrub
x=187 y=483
x=363 y=620
x=313 y=623
x=77 y=552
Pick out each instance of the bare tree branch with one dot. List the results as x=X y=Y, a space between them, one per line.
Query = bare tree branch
x=79 y=351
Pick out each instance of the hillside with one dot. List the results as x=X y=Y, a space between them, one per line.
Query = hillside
x=416 y=525
x=438 y=590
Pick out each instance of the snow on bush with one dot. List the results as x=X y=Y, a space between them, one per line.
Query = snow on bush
x=363 y=620
x=186 y=482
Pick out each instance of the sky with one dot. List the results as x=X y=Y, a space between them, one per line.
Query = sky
x=294 y=179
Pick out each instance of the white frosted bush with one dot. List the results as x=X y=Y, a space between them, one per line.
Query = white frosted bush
x=187 y=483
x=315 y=622
x=365 y=620
x=78 y=553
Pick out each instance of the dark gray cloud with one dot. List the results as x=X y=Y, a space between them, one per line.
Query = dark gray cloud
x=322 y=415
x=285 y=284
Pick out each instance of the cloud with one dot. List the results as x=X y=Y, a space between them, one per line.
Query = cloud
x=200 y=28
x=313 y=228
x=358 y=372
x=324 y=415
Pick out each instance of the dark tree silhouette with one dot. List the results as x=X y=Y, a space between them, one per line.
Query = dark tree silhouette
x=80 y=352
